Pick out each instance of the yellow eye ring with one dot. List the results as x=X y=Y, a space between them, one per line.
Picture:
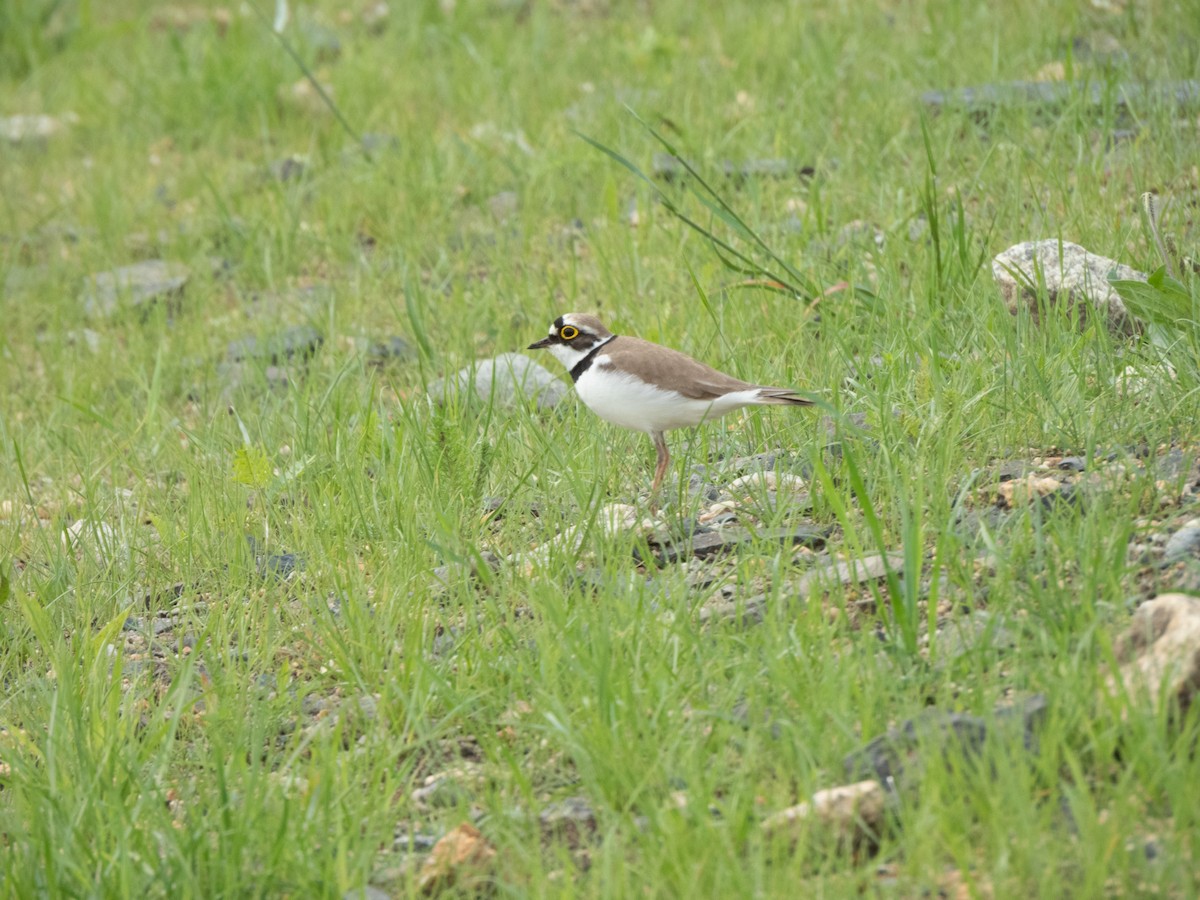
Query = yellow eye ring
x=568 y=332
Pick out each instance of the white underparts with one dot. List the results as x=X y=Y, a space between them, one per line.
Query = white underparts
x=626 y=400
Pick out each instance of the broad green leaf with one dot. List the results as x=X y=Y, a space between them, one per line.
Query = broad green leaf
x=252 y=467
x=1159 y=305
x=1168 y=285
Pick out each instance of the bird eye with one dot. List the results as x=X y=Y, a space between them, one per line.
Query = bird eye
x=568 y=332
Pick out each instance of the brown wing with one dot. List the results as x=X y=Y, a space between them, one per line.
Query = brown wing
x=671 y=369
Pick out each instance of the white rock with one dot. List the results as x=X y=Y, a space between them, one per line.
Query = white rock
x=1070 y=276
x=1159 y=655
x=1136 y=380
x=18 y=129
x=770 y=481
x=141 y=282
x=613 y=518
x=99 y=538
x=506 y=379
x=852 y=813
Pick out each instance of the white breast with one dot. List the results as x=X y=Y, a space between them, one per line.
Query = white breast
x=625 y=400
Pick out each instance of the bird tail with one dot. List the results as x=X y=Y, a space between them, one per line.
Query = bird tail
x=782 y=397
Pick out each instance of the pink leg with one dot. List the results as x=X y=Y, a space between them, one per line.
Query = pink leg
x=664 y=457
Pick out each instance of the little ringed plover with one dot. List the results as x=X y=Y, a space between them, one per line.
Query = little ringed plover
x=647 y=387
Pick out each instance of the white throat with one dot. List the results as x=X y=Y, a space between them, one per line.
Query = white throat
x=570 y=357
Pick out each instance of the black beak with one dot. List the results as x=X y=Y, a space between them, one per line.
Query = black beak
x=538 y=345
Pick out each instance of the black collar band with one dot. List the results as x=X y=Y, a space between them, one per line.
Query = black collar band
x=586 y=363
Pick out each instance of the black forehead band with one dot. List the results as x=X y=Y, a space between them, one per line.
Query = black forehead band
x=558 y=323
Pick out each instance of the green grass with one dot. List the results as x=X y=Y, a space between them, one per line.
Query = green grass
x=269 y=742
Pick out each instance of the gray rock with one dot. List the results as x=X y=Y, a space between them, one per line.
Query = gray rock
x=497 y=508
x=277 y=565
x=571 y=821
x=968 y=634
x=300 y=341
x=267 y=683
x=1172 y=465
x=899 y=758
x=752 y=610
x=84 y=336
x=142 y=283
x=670 y=168
x=366 y=892
x=250 y=371
x=394 y=349
x=696 y=488
x=441 y=791
x=506 y=380
x=1100 y=49
x=161 y=624
x=407 y=841
x=852 y=571
x=445 y=641
x=610 y=585
x=23 y=278
x=766 y=168
x=1072 y=464
x=1181 y=94
x=321 y=40
x=151 y=597
x=485 y=560
x=277 y=377
x=770 y=461
x=373 y=144
x=503 y=205
x=1183 y=544
x=1069 y=276
x=972 y=523
x=718 y=543
x=289 y=168
x=312 y=704
x=368 y=707
x=312 y=301
x=1014 y=469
